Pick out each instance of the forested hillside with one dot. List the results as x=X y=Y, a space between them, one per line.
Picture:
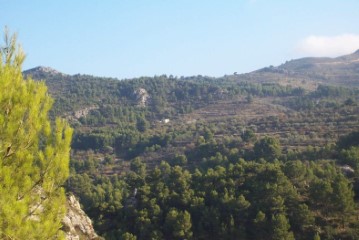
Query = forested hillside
x=340 y=71
x=265 y=155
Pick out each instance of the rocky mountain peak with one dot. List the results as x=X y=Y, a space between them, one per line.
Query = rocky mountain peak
x=42 y=70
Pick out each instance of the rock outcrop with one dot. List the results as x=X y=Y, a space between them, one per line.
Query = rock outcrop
x=84 y=112
x=76 y=224
x=142 y=97
x=42 y=71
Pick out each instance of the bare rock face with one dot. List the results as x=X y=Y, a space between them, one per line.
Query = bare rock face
x=142 y=97
x=41 y=71
x=76 y=224
x=84 y=112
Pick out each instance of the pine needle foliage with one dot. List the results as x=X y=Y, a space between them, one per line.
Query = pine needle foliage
x=34 y=153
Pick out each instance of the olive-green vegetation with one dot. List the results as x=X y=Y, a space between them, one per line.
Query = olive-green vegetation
x=34 y=154
x=224 y=197
x=335 y=71
x=267 y=155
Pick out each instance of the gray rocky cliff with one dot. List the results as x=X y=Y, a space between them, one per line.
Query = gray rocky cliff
x=142 y=97
x=76 y=224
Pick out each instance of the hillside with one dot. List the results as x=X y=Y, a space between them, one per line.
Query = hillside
x=171 y=158
x=342 y=71
x=283 y=101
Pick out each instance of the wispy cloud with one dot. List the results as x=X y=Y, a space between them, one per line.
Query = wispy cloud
x=328 y=46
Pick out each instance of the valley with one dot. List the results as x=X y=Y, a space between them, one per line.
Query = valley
x=169 y=157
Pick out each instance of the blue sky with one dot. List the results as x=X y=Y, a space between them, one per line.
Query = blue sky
x=132 y=38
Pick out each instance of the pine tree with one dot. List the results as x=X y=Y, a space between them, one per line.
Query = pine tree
x=281 y=228
x=267 y=148
x=343 y=198
x=316 y=236
x=178 y=224
x=34 y=154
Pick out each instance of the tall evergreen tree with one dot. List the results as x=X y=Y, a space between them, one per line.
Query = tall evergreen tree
x=267 y=148
x=34 y=154
x=178 y=224
x=342 y=197
x=281 y=228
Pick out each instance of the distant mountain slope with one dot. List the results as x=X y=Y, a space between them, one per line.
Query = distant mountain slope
x=240 y=132
x=342 y=70
x=41 y=71
x=341 y=66
x=165 y=94
x=74 y=92
x=171 y=94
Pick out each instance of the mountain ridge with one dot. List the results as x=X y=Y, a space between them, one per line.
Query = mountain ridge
x=203 y=123
x=40 y=70
x=339 y=71
x=305 y=63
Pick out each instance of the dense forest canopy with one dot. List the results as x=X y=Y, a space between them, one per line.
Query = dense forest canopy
x=266 y=155
x=226 y=195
